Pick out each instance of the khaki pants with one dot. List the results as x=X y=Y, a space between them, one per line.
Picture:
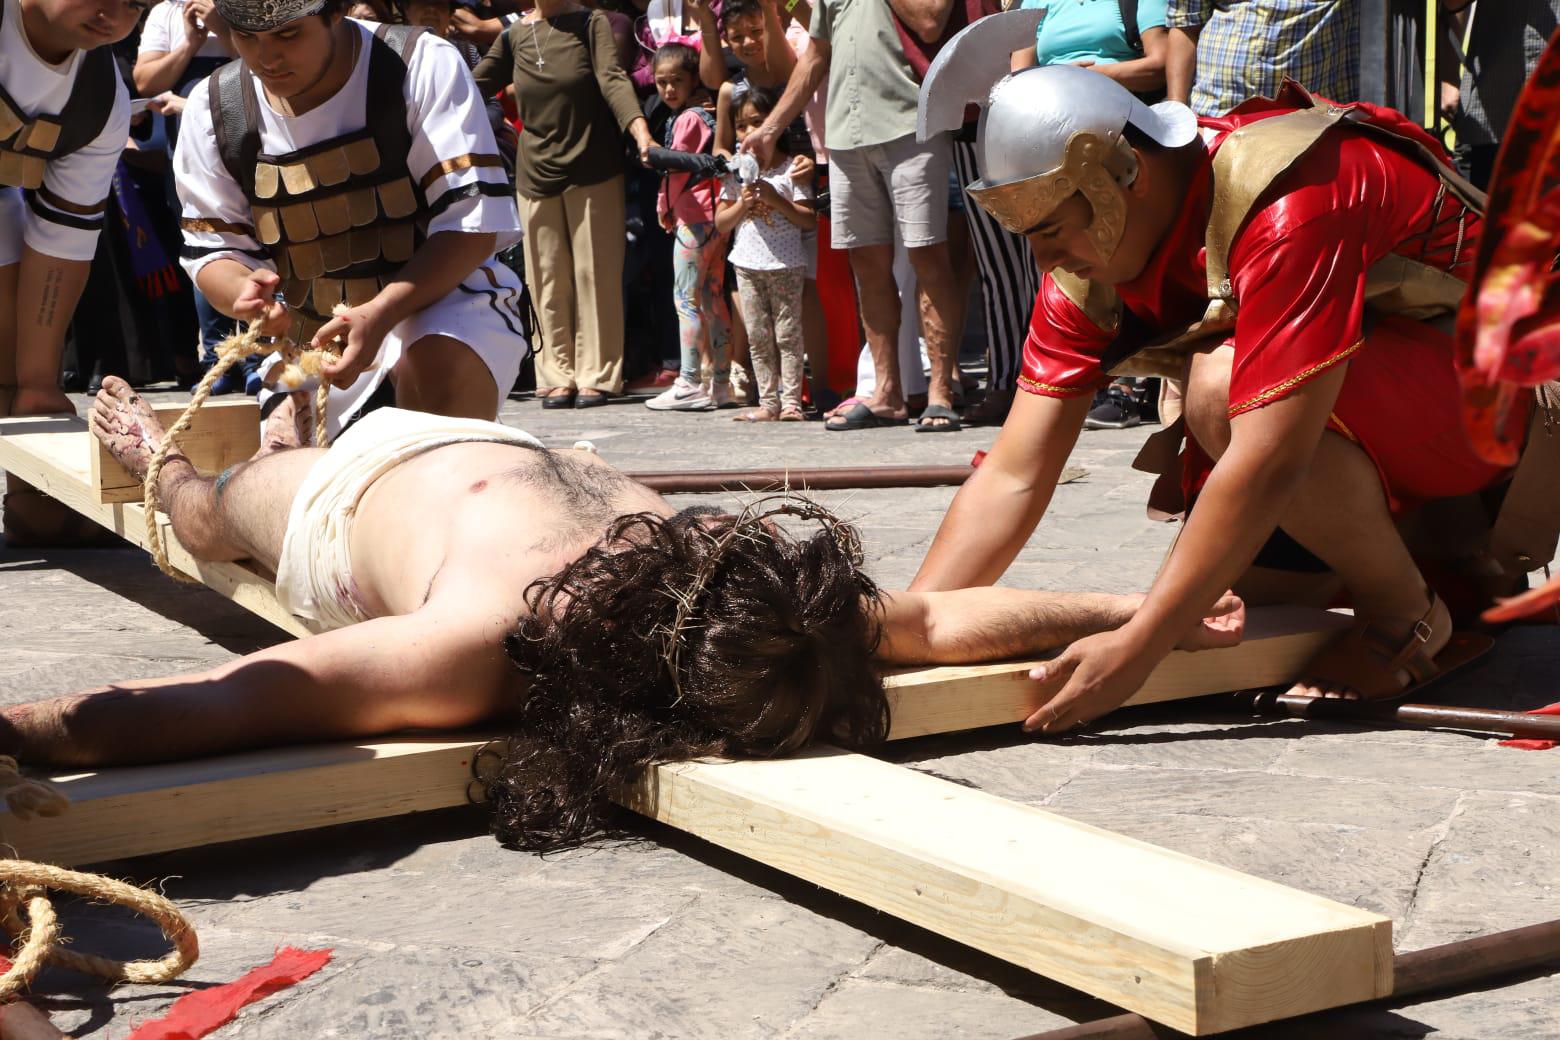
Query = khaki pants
x=574 y=246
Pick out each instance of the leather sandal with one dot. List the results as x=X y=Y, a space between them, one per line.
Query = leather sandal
x=1369 y=662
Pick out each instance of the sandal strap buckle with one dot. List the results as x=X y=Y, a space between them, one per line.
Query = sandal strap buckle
x=1422 y=631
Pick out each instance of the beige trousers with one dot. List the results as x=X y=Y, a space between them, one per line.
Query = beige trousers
x=574 y=246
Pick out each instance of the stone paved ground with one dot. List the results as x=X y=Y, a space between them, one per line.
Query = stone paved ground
x=440 y=933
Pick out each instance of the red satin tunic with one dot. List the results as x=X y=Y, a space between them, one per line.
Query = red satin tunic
x=1298 y=269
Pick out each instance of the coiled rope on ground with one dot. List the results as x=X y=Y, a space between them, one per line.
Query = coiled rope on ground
x=27 y=914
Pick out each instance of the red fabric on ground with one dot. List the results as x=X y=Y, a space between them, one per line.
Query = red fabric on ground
x=196 y=1014
x=1535 y=745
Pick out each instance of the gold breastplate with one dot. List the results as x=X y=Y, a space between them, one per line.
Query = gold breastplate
x=25 y=147
x=337 y=228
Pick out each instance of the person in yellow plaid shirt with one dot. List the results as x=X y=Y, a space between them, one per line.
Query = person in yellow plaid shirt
x=1223 y=52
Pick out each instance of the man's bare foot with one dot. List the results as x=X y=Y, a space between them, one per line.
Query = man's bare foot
x=124 y=422
x=1380 y=657
x=290 y=425
x=50 y=401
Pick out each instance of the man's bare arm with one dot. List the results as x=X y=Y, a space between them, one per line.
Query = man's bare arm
x=970 y=625
x=434 y=669
x=803 y=83
x=1180 y=64
x=999 y=507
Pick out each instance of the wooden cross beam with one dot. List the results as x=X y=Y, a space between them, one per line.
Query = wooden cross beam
x=1187 y=943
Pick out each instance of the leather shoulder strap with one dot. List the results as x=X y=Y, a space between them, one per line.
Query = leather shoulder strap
x=401 y=38
x=90 y=104
x=1456 y=183
x=390 y=49
x=235 y=120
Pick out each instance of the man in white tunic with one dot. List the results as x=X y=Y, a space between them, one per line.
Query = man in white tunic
x=341 y=180
x=64 y=118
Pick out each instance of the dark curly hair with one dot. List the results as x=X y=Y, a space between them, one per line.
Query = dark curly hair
x=771 y=638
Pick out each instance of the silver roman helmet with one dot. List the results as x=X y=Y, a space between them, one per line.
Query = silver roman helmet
x=1045 y=132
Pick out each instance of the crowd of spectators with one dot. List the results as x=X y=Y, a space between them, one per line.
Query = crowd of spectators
x=693 y=283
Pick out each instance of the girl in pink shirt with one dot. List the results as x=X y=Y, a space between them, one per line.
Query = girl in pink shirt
x=687 y=209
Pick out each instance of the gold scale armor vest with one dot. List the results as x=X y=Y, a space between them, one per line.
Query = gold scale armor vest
x=338 y=218
x=29 y=143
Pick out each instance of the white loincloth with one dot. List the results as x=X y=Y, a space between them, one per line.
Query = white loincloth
x=314 y=574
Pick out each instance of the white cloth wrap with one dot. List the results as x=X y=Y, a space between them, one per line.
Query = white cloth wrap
x=314 y=575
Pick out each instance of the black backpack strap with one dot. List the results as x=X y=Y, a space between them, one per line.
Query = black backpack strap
x=1129 y=22
x=235 y=120
x=389 y=51
x=90 y=104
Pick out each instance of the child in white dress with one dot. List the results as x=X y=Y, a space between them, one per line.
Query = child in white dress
x=769 y=213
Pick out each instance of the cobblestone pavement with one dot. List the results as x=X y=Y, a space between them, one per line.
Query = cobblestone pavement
x=438 y=932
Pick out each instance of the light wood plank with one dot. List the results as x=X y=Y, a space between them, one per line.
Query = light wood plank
x=927 y=701
x=1277 y=644
x=136 y=811
x=1192 y=945
x=54 y=455
x=223 y=432
x=1187 y=943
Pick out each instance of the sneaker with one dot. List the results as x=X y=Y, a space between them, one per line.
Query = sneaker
x=681 y=396
x=721 y=395
x=1115 y=409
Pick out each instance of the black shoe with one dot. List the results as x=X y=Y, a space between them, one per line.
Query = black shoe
x=595 y=400
x=559 y=400
x=1117 y=411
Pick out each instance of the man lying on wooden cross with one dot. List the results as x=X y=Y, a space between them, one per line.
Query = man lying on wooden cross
x=462 y=574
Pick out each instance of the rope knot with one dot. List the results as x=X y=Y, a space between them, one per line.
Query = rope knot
x=27 y=797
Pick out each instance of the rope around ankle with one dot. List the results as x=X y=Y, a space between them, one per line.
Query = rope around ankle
x=26 y=912
x=230 y=352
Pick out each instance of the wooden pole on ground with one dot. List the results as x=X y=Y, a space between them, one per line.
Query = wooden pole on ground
x=1450 y=966
x=1407 y=716
x=672 y=482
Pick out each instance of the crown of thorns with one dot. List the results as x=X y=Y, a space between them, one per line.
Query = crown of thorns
x=745 y=527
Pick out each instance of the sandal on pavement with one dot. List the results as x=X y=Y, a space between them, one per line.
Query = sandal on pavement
x=843 y=407
x=859 y=417
x=791 y=413
x=938 y=411
x=756 y=415
x=1367 y=661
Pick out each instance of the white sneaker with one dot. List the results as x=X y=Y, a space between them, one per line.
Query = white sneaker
x=721 y=395
x=681 y=396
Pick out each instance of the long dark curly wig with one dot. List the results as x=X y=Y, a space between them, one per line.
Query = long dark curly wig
x=682 y=637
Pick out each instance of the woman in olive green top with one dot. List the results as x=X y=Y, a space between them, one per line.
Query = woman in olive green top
x=575 y=104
